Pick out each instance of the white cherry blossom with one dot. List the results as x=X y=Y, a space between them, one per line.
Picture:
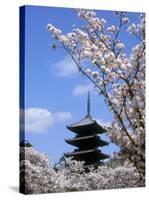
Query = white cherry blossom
x=38 y=175
x=118 y=75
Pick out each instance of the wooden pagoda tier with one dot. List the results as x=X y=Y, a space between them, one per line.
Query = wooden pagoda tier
x=87 y=140
x=90 y=141
x=90 y=156
x=86 y=126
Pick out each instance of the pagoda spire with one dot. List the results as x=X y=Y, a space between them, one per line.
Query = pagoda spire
x=88 y=104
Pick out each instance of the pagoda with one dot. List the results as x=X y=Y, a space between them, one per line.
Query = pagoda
x=87 y=140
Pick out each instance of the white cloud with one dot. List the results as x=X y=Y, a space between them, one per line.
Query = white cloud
x=65 y=68
x=62 y=116
x=38 y=120
x=82 y=89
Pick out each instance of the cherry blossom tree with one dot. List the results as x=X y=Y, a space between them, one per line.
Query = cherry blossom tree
x=119 y=77
x=38 y=175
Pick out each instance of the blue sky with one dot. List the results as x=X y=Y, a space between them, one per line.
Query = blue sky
x=55 y=93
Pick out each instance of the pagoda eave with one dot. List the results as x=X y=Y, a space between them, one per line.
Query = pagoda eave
x=93 y=127
x=85 y=141
x=93 y=153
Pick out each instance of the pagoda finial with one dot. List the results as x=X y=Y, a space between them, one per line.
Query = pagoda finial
x=88 y=104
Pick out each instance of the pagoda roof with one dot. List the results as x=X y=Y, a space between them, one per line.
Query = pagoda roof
x=87 y=153
x=81 y=152
x=86 y=123
x=81 y=138
x=86 y=140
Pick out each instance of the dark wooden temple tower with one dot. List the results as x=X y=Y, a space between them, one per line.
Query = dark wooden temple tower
x=87 y=140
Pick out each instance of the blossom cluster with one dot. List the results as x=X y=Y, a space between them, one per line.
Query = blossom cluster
x=119 y=77
x=37 y=175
